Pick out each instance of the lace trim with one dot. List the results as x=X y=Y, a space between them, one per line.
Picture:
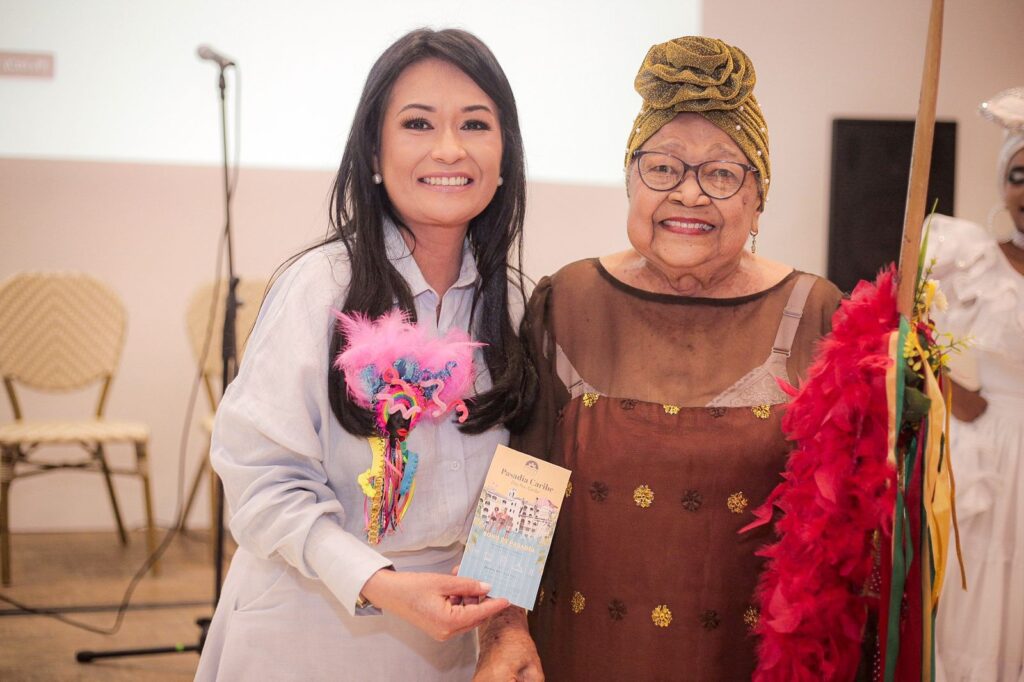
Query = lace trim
x=758 y=387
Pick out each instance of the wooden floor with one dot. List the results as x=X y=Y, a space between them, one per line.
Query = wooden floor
x=88 y=573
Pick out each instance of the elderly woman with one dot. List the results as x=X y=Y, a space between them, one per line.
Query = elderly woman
x=660 y=371
x=980 y=633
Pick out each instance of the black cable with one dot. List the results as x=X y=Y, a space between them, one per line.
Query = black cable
x=179 y=511
x=98 y=608
x=186 y=429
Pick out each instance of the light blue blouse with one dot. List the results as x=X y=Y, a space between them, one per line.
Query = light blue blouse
x=289 y=468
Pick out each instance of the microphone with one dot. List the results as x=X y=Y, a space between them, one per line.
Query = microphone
x=208 y=53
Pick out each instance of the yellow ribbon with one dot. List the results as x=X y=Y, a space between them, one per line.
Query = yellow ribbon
x=374 y=474
x=938 y=480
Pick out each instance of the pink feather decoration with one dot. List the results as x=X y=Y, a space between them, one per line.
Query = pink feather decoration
x=391 y=339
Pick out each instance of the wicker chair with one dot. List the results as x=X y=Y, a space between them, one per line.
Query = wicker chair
x=61 y=332
x=206 y=301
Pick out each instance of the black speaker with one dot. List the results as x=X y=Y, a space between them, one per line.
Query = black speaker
x=870 y=173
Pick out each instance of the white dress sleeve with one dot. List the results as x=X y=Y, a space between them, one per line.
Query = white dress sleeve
x=982 y=288
x=267 y=444
x=961 y=254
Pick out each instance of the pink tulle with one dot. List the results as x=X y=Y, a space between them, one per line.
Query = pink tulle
x=390 y=338
x=838 y=490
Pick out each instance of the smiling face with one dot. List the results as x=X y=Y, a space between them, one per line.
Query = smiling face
x=1013 y=190
x=440 y=147
x=683 y=231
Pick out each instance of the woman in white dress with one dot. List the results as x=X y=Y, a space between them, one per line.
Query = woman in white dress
x=980 y=633
x=427 y=208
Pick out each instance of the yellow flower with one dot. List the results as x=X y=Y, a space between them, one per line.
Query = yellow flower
x=590 y=398
x=762 y=411
x=661 y=615
x=643 y=496
x=670 y=409
x=940 y=301
x=930 y=287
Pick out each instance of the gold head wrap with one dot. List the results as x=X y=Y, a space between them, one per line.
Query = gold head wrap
x=708 y=77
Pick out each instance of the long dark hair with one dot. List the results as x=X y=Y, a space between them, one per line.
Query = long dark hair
x=359 y=208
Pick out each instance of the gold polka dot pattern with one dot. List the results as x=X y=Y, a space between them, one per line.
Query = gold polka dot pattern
x=737 y=503
x=643 y=496
x=661 y=616
x=751 y=617
x=578 y=602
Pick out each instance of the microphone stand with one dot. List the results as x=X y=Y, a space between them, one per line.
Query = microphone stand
x=229 y=348
x=229 y=362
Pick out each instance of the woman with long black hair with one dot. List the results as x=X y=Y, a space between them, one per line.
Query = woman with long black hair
x=427 y=216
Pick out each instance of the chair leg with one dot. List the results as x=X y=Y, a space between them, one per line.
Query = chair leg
x=142 y=464
x=193 y=490
x=7 y=459
x=105 y=468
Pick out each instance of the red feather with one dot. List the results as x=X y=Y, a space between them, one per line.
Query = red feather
x=838 y=490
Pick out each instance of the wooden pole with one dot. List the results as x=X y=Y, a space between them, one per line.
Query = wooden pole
x=920 y=164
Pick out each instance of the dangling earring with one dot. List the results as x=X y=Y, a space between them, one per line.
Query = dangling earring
x=1018 y=239
x=992 y=213
x=377 y=179
x=753 y=241
x=501 y=181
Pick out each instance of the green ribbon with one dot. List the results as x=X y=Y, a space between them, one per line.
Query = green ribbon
x=902 y=553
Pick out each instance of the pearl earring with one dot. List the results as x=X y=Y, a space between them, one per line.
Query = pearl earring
x=501 y=181
x=377 y=179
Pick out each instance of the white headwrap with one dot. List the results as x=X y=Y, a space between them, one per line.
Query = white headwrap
x=1006 y=109
x=1012 y=143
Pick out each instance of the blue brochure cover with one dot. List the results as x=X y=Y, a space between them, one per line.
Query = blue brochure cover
x=513 y=525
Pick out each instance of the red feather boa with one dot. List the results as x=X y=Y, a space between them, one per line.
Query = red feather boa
x=838 y=489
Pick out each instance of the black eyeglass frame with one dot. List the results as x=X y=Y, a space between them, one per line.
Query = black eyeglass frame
x=747 y=168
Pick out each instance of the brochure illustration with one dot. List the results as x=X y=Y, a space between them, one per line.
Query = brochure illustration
x=513 y=525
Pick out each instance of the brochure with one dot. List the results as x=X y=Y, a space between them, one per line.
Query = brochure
x=513 y=525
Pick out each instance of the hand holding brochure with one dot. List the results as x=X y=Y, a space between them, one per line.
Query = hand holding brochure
x=513 y=525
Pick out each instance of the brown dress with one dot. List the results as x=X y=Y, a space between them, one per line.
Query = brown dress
x=667 y=410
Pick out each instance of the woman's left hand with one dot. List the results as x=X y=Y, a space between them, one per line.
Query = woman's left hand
x=507 y=652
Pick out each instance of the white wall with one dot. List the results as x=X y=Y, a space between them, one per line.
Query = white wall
x=129 y=86
x=111 y=167
x=817 y=61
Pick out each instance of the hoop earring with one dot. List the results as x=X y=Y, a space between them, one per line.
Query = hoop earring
x=753 y=241
x=992 y=213
x=1018 y=239
x=377 y=179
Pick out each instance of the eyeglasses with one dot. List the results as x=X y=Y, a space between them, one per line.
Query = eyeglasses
x=717 y=179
